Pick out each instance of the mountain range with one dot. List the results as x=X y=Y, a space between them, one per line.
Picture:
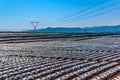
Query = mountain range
x=115 y=28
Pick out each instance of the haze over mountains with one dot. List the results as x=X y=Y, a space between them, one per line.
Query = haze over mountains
x=77 y=29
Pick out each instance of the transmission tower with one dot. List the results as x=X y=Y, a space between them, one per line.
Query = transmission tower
x=34 y=24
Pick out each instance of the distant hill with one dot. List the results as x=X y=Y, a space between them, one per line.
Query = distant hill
x=88 y=29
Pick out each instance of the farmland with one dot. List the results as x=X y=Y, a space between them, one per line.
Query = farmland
x=59 y=56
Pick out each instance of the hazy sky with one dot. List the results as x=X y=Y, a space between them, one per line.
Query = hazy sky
x=17 y=14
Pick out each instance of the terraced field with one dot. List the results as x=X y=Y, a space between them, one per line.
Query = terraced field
x=38 y=56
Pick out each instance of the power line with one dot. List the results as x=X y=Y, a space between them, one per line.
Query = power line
x=102 y=13
x=84 y=10
x=89 y=13
x=79 y=12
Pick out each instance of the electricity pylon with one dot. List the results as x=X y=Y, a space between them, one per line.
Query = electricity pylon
x=34 y=24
